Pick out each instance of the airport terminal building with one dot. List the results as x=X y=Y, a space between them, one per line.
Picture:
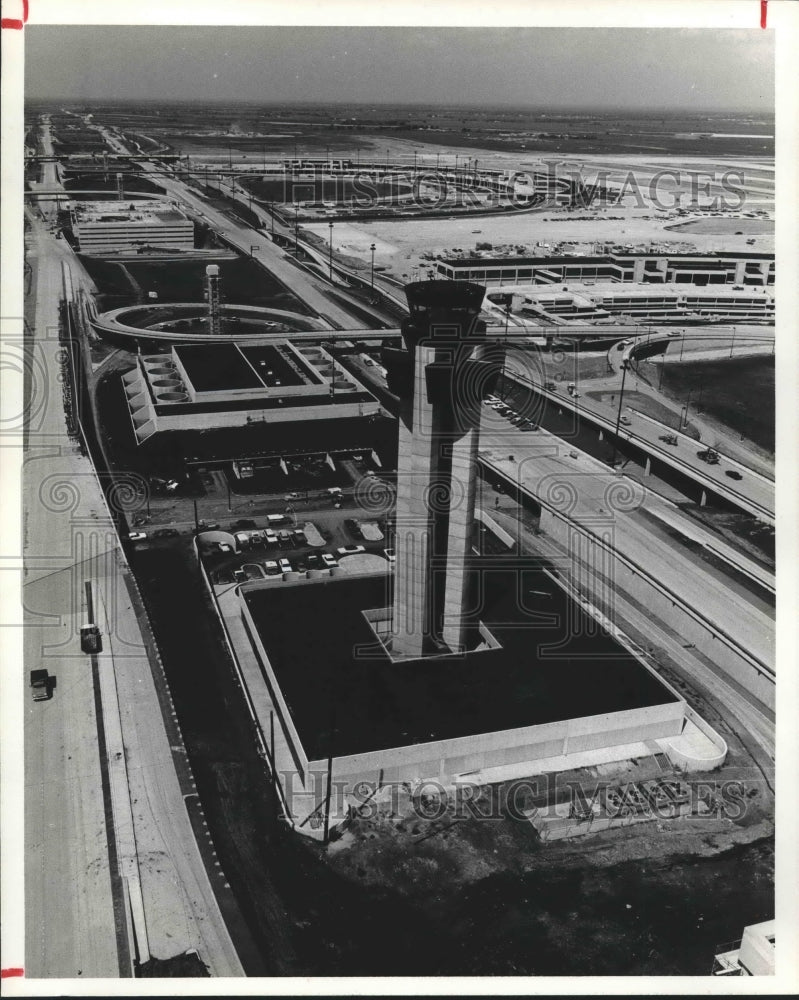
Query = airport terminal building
x=754 y=269
x=102 y=227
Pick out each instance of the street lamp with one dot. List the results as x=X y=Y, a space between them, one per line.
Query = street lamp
x=624 y=366
x=732 y=345
x=330 y=257
x=372 y=281
x=296 y=227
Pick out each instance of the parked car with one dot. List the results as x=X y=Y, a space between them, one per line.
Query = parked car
x=209 y=526
x=242 y=525
x=271 y=567
x=285 y=565
x=350 y=550
x=733 y=474
x=353 y=526
x=314 y=562
x=625 y=419
x=166 y=533
x=137 y=536
x=328 y=560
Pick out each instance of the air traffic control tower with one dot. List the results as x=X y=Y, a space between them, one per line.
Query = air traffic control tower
x=440 y=376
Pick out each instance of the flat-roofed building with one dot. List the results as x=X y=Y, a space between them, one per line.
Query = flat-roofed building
x=752 y=956
x=691 y=268
x=204 y=386
x=102 y=227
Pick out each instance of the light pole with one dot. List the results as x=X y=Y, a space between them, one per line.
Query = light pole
x=732 y=345
x=296 y=227
x=330 y=249
x=682 y=344
x=372 y=279
x=624 y=366
x=272 y=210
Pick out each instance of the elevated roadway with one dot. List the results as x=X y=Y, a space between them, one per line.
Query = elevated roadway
x=638 y=525
x=753 y=492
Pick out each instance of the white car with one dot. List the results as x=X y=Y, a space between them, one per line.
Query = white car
x=137 y=536
x=271 y=567
x=285 y=566
x=328 y=560
x=350 y=550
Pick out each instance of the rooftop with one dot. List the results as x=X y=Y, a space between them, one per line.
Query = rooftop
x=127 y=212
x=328 y=662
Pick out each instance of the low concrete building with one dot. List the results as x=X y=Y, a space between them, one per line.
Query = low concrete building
x=719 y=268
x=203 y=386
x=752 y=956
x=533 y=697
x=102 y=227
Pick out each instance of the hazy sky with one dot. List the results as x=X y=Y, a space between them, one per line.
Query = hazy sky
x=553 y=67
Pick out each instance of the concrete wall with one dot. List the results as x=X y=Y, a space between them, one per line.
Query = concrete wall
x=238 y=418
x=445 y=759
x=684 y=619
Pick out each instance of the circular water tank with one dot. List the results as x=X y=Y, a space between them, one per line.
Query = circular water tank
x=173 y=397
x=161 y=370
x=167 y=383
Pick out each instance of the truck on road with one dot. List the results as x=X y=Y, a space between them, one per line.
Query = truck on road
x=90 y=638
x=40 y=685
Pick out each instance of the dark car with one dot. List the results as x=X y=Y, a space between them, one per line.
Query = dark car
x=353 y=527
x=733 y=474
x=243 y=524
x=166 y=533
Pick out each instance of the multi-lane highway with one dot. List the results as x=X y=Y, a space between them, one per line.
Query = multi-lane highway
x=548 y=468
x=748 y=488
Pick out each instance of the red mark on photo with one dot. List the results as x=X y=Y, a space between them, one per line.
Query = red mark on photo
x=14 y=971
x=16 y=24
x=763 y=12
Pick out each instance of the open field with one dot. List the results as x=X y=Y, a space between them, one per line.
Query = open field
x=725 y=227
